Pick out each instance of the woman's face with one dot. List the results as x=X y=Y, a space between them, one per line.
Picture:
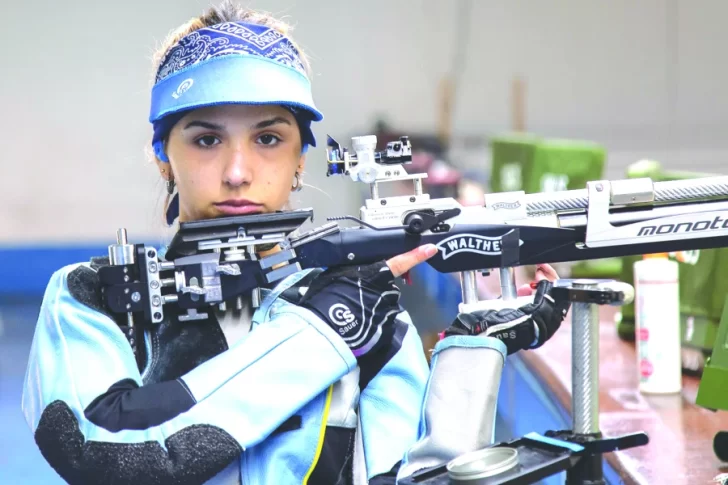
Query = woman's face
x=233 y=160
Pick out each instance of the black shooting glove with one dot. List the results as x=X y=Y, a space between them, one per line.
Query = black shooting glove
x=359 y=302
x=527 y=327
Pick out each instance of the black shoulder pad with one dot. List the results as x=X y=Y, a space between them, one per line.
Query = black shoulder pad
x=99 y=261
x=84 y=286
x=194 y=455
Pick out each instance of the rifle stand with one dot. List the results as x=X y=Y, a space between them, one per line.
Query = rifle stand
x=577 y=451
x=587 y=296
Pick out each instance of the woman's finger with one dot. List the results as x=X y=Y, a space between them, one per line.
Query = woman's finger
x=399 y=265
x=524 y=290
x=546 y=272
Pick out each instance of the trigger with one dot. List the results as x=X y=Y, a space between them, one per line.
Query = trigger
x=407 y=278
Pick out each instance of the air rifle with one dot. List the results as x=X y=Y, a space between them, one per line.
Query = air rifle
x=215 y=261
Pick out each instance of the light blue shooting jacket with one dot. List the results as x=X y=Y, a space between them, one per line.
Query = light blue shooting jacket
x=290 y=363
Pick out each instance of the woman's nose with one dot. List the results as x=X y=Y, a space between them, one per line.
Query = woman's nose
x=238 y=168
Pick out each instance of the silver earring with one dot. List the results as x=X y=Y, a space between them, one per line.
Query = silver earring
x=170 y=186
x=297 y=183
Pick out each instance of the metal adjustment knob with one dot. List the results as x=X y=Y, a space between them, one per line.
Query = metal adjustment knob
x=122 y=252
x=415 y=223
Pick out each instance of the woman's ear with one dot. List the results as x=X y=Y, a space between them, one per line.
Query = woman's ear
x=165 y=169
x=301 y=164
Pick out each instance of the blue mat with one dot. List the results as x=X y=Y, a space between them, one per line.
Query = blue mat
x=20 y=460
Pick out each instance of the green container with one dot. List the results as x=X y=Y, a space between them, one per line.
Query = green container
x=532 y=164
x=713 y=383
x=564 y=165
x=512 y=156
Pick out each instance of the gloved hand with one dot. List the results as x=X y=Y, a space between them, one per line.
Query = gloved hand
x=361 y=302
x=527 y=327
x=358 y=302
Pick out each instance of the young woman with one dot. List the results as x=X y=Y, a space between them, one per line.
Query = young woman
x=274 y=394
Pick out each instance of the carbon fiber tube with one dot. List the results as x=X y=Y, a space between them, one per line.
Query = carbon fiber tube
x=585 y=365
x=668 y=191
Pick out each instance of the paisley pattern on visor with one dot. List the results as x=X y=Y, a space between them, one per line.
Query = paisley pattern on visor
x=230 y=38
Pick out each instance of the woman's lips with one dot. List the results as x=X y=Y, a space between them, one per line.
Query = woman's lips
x=239 y=207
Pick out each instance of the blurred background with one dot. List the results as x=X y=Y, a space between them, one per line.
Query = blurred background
x=606 y=83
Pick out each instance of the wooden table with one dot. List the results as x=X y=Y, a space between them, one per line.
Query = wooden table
x=680 y=450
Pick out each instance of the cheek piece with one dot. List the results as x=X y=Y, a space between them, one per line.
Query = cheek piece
x=230 y=63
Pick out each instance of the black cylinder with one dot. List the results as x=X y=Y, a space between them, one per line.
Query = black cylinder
x=720 y=445
x=588 y=471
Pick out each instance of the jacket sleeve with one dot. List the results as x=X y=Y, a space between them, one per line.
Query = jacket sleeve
x=183 y=431
x=390 y=404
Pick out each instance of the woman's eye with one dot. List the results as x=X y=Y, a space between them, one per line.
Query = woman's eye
x=208 y=141
x=269 y=140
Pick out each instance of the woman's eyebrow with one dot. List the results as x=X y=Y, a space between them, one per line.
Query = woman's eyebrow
x=204 y=124
x=270 y=122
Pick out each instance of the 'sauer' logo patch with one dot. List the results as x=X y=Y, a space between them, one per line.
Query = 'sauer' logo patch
x=471 y=243
x=341 y=315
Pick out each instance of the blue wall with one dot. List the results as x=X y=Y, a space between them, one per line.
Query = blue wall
x=26 y=270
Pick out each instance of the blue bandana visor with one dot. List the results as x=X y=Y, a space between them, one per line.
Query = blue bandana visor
x=233 y=79
x=230 y=63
